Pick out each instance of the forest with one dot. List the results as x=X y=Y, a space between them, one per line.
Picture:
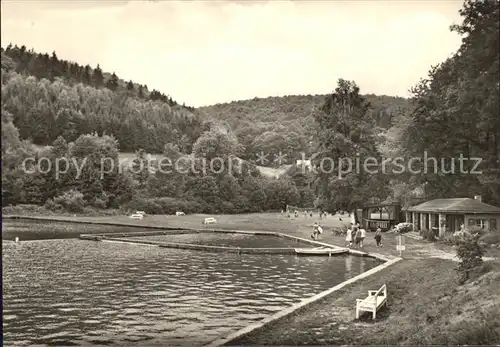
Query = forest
x=56 y=108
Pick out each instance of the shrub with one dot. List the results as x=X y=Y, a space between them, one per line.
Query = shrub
x=171 y=205
x=52 y=206
x=71 y=201
x=448 y=238
x=403 y=228
x=429 y=235
x=242 y=204
x=147 y=205
x=469 y=252
x=227 y=207
x=490 y=238
x=101 y=203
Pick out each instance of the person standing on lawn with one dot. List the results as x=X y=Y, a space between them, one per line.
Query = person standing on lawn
x=363 y=236
x=348 y=237
x=378 y=237
x=320 y=231
x=317 y=230
x=357 y=235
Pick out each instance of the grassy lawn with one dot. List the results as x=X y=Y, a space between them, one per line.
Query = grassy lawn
x=425 y=306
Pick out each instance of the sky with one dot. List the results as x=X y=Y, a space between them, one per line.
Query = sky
x=207 y=52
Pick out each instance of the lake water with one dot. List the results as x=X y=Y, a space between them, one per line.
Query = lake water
x=228 y=240
x=73 y=292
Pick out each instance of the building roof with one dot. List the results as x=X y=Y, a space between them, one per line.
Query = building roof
x=457 y=205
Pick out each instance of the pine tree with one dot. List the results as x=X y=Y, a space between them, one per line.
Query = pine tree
x=112 y=83
x=54 y=65
x=130 y=85
x=86 y=75
x=97 y=77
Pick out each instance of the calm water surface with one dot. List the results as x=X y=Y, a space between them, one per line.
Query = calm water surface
x=228 y=240
x=74 y=292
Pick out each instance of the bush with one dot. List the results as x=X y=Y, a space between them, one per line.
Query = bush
x=147 y=205
x=227 y=207
x=242 y=205
x=71 y=201
x=24 y=209
x=100 y=203
x=448 y=239
x=490 y=238
x=469 y=252
x=403 y=228
x=52 y=206
x=429 y=235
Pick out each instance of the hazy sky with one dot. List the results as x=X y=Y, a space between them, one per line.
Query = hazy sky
x=216 y=51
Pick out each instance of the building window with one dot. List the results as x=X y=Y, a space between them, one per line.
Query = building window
x=481 y=223
x=471 y=222
x=493 y=224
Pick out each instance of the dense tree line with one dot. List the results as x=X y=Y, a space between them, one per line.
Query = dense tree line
x=82 y=181
x=43 y=65
x=287 y=124
x=456 y=110
x=43 y=110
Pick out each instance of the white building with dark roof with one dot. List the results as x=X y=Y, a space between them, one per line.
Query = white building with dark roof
x=447 y=215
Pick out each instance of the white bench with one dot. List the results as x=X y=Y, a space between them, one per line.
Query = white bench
x=180 y=214
x=373 y=302
x=209 y=220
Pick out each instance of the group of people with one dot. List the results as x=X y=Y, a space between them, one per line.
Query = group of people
x=357 y=234
x=306 y=213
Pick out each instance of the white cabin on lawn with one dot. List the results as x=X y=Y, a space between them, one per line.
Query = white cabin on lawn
x=447 y=215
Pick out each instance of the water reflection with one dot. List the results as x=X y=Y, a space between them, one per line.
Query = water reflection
x=348 y=264
x=74 y=292
x=228 y=240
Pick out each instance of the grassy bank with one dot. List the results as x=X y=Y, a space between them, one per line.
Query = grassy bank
x=426 y=307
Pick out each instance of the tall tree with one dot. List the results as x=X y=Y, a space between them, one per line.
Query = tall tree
x=346 y=140
x=97 y=77
x=112 y=83
x=460 y=98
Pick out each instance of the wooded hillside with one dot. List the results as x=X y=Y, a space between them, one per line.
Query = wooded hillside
x=287 y=124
